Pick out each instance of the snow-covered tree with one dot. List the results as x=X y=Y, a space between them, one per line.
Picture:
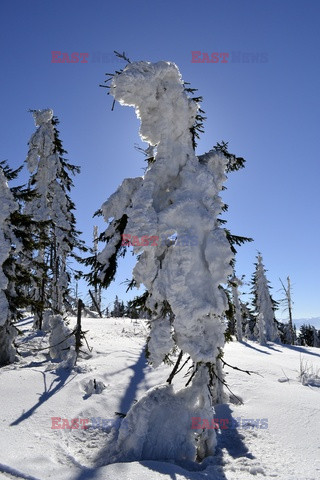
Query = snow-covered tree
x=118 y=308
x=178 y=197
x=248 y=320
x=316 y=339
x=235 y=283
x=52 y=209
x=97 y=287
x=266 y=327
x=289 y=336
x=16 y=232
x=306 y=335
x=7 y=245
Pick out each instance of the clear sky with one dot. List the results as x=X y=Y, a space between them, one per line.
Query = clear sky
x=267 y=109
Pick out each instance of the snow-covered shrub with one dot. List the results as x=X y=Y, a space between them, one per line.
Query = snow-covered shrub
x=61 y=341
x=308 y=375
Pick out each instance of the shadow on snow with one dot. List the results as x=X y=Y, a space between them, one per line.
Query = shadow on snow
x=62 y=376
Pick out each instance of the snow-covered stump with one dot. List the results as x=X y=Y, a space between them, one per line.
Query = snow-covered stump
x=178 y=197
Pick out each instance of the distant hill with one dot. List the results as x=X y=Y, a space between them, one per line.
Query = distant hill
x=315 y=321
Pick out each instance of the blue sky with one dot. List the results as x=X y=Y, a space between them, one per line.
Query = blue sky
x=268 y=111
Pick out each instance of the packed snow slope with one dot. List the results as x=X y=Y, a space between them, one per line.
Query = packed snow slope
x=115 y=374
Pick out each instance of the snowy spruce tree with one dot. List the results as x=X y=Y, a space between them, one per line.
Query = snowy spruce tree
x=177 y=198
x=96 y=303
x=118 y=308
x=7 y=330
x=53 y=211
x=16 y=247
x=266 y=327
x=316 y=339
x=235 y=283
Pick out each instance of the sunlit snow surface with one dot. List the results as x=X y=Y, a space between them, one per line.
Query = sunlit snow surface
x=32 y=393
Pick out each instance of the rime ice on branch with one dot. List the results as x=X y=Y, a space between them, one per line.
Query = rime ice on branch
x=178 y=197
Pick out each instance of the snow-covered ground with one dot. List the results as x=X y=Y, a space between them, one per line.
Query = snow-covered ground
x=32 y=393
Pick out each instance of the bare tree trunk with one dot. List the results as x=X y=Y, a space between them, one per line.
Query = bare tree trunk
x=78 y=328
x=95 y=303
x=289 y=303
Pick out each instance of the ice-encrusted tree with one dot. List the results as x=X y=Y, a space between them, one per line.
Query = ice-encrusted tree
x=53 y=210
x=177 y=198
x=264 y=305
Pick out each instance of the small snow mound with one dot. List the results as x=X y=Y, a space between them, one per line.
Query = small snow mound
x=255 y=470
x=93 y=387
x=283 y=379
